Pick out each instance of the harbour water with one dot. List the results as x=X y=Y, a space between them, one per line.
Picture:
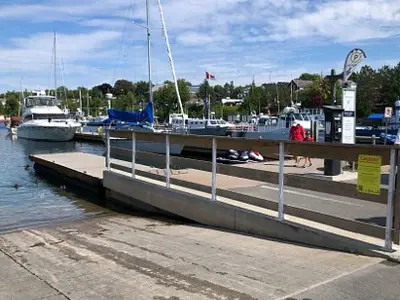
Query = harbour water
x=26 y=200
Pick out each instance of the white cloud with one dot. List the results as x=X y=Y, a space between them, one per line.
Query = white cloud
x=232 y=38
x=343 y=21
x=198 y=38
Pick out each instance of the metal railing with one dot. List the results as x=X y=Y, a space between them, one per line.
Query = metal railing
x=389 y=155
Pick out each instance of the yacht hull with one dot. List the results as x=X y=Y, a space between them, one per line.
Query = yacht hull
x=47 y=133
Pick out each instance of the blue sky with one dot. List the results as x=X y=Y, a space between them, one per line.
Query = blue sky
x=233 y=39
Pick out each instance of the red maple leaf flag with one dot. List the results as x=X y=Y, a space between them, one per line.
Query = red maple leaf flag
x=210 y=76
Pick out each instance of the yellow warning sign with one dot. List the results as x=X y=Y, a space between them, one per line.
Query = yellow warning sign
x=369 y=174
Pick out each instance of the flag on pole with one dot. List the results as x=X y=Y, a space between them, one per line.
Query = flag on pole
x=210 y=76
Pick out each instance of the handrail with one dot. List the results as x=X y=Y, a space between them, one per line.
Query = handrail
x=388 y=155
x=332 y=151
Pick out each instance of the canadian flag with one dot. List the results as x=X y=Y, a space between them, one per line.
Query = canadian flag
x=210 y=76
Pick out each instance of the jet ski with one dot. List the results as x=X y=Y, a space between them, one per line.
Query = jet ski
x=244 y=156
x=255 y=156
x=233 y=157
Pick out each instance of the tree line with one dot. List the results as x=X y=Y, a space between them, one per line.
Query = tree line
x=376 y=89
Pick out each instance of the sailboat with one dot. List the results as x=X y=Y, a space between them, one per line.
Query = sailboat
x=43 y=119
x=143 y=121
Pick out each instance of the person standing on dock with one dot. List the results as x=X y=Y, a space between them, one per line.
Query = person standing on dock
x=307 y=138
x=296 y=134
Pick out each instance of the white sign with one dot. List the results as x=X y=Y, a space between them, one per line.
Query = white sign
x=349 y=99
x=349 y=116
x=388 y=112
x=353 y=59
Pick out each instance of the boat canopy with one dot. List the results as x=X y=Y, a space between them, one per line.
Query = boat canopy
x=375 y=116
x=146 y=115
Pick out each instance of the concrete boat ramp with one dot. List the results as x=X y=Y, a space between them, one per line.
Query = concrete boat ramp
x=244 y=252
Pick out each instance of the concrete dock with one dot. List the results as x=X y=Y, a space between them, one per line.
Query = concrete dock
x=323 y=219
x=128 y=257
x=132 y=256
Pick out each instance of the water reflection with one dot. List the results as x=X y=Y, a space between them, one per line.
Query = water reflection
x=25 y=199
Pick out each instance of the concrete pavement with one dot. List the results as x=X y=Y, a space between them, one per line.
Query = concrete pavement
x=128 y=257
x=344 y=207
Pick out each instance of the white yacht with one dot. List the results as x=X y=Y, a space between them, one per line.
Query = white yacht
x=210 y=126
x=44 y=120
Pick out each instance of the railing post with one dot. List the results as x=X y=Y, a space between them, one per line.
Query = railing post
x=108 y=150
x=133 y=155
x=281 y=216
x=214 y=170
x=396 y=206
x=373 y=137
x=167 y=157
x=389 y=205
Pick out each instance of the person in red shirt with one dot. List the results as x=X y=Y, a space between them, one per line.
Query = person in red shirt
x=307 y=138
x=296 y=134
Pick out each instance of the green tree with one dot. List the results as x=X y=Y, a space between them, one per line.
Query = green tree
x=12 y=105
x=220 y=93
x=2 y=109
x=210 y=92
x=123 y=87
x=309 y=76
x=142 y=91
x=184 y=92
x=368 y=89
x=104 y=88
x=166 y=100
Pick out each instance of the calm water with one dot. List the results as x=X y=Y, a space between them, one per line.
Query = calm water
x=35 y=201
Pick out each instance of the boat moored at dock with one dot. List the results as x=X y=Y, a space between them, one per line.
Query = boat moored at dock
x=44 y=120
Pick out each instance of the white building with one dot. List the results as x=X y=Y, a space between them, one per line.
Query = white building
x=232 y=102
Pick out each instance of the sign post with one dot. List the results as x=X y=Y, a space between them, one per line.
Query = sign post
x=388 y=115
x=349 y=115
x=353 y=59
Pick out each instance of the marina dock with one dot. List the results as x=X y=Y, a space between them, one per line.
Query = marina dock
x=210 y=231
x=329 y=216
x=88 y=137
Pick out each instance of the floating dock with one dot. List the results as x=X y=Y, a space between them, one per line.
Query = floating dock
x=243 y=205
x=88 y=137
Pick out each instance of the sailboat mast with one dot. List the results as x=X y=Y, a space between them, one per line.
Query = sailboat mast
x=171 y=61
x=55 y=64
x=80 y=100
x=22 y=99
x=149 y=53
x=87 y=103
